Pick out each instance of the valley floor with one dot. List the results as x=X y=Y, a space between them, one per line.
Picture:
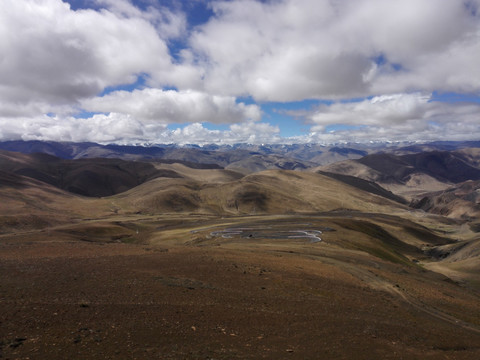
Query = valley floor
x=229 y=288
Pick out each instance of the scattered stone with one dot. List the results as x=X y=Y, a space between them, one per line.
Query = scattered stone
x=17 y=342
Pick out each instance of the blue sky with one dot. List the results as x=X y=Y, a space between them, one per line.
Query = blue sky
x=201 y=71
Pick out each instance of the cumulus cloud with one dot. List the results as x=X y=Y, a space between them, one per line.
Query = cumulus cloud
x=125 y=129
x=101 y=128
x=156 y=105
x=380 y=110
x=406 y=117
x=250 y=132
x=296 y=49
x=169 y=23
x=53 y=55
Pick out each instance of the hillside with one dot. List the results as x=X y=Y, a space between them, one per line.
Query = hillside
x=88 y=177
x=458 y=201
x=267 y=192
x=412 y=174
x=256 y=163
x=29 y=204
x=365 y=185
x=459 y=261
x=447 y=167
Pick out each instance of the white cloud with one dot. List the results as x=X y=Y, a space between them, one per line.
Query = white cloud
x=124 y=129
x=155 y=105
x=255 y=133
x=111 y=128
x=56 y=56
x=170 y=24
x=296 y=49
x=276 y=51
x=406 y=117
x=250 y=132
x=380 y=110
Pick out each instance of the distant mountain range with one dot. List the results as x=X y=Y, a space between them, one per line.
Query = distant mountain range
x=225 y=155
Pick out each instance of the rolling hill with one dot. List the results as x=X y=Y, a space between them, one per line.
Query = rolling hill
x=266 y=192
x=88 y=177
x=459 y=201
x=29 y=204
x=412 y=174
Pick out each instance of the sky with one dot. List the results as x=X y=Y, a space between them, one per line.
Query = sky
x=240 y=71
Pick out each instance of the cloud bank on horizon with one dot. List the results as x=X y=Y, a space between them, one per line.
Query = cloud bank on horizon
x=324 y=71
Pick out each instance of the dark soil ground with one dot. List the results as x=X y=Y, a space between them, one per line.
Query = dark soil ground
x=83 y=300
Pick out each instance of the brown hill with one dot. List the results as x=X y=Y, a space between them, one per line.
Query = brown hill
x=28 y=204
x=365 y=185
x=192 y=171
x=412 y=174
x=267 y=192
x=459 y=261
x=88 y=177
x=256 y=163
x=458 y=201
x=444 y=166
x=470 y=156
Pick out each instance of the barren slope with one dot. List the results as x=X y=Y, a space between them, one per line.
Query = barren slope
x=267 y=192
x=89 y=177
x=203 y=175
x=256 y=163
x=246 y=287
x=413 y=174
x=458 y=201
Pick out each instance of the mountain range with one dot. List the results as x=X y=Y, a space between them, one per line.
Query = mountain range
x=225 y=154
